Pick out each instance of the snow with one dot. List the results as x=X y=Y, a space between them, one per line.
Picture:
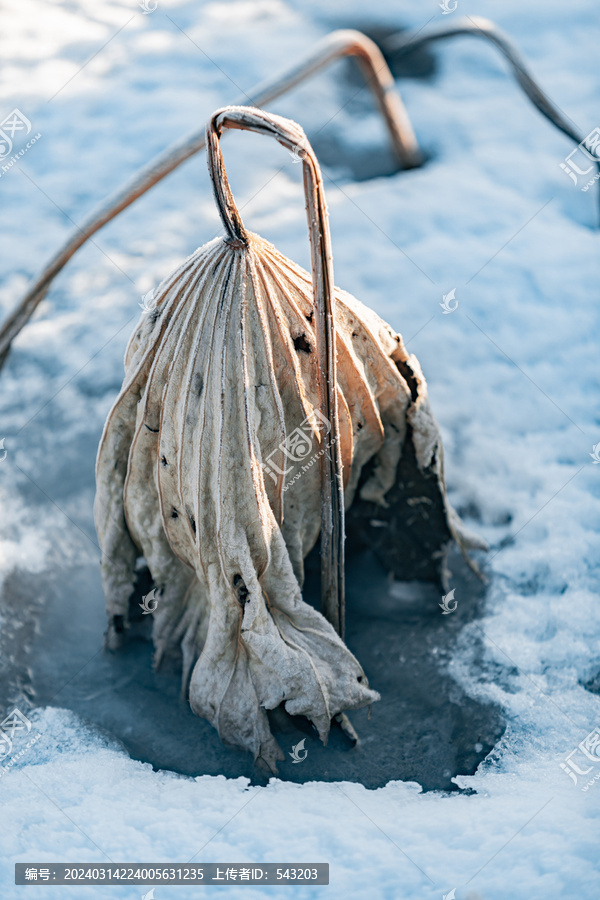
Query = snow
x=512 y=375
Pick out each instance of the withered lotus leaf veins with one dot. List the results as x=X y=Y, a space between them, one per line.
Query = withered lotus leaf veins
x=258 y=402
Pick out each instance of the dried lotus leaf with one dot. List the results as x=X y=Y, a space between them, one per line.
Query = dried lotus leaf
x=268 y=402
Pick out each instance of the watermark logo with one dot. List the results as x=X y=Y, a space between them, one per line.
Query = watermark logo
x=16 y=125
x=446 y=7
x=14 y=722
x=298 y=153
x=595 y=454
x=149 y=895
x=297 y=749
x=447 y=305
x=589 y=748
x=450 y=896
x=3 y=452
x=446 y=601
x=148 y=302
x=147 y=601
x=583 y=159
x=16 y=121
x=147 y=6
x=297 y=447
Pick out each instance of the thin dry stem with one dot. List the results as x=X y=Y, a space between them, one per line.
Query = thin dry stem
x=337 y=44
x=477 y=26
x=291 y=136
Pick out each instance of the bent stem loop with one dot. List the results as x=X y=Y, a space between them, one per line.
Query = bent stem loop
x=479 y=27
x=336 y=45
x=291 y=136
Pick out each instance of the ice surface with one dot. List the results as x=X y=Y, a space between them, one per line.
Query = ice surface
x=512 y=376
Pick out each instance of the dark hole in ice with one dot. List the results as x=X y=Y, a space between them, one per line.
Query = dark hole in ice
x=376 y=159
x=593 y=684
x=425 y=728
x=420 y=64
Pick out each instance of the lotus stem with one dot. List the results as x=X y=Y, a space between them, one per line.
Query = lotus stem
x=477 y=26
x=332 y=488
x=335 y=46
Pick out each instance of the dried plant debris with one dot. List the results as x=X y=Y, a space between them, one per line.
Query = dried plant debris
x=214 y=459
x=337 y=45
x=334 y=46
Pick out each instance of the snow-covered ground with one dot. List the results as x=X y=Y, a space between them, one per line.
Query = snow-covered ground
x=512 y=374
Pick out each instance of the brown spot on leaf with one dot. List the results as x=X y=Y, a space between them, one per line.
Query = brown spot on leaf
x=300 y=343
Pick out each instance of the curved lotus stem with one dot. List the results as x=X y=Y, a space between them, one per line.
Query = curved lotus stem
x=336 y=45
x=477 y=26
x=290 y=135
